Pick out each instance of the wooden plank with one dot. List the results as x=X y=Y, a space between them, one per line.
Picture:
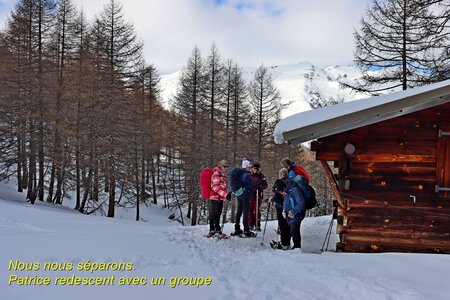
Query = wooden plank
x=392 y=184
x=383 y=168
x=378 y=158
x=396 y=242
x=391 y=223
x=403 y=201
x=401 y=196
x=332 y=182
x=376 y=248
x=395 y=233
x=393 y=176
x=432 y=224
x=388 y=157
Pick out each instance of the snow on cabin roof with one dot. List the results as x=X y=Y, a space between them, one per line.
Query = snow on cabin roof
x=322 y=122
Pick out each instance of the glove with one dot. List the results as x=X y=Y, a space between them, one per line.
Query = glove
x=284 y=214
x=291 y=214
x=259 y=188
x=229 y=196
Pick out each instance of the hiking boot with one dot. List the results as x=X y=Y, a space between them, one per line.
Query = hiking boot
x=237 y=232
x=250 y=234
x=285 y=247
x=258 y=228
x=212 y=233
x=274 y=244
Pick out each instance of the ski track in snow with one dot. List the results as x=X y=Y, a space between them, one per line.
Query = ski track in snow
x=225 y=257
x=13 y=224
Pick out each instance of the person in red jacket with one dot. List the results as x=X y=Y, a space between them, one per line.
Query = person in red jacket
x=293 y=169
x=259 y=181
x=217 y=196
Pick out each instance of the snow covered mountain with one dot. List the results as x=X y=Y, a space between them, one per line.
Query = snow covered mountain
x=301 y=85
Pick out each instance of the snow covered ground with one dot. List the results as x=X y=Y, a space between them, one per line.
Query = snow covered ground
x=238 y=268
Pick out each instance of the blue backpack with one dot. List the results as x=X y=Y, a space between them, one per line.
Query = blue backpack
x=307 y=191
x=235 y=181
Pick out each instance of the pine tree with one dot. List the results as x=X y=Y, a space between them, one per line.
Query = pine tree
x=119 y=47
x=189 y=103
x=64 y=41
x=214 y=92
x=439 y=64
x=26 y=36
x=266 y=108
x=396 y=39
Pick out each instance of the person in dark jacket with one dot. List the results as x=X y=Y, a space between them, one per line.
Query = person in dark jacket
x=217 y=196
x=294 y=209
x=259 y=181
x=244 y=201
x=278 y=198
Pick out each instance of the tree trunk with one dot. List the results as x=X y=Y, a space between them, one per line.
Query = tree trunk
x=41 y=111
x=112 y=187
x=19 y=164
x=155 y=200
x=31 y=192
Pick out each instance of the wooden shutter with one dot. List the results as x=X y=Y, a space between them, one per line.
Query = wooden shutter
x=443 y=163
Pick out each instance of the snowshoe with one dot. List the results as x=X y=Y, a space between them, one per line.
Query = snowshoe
x=210 y=234
x=217 y=235
x=275 y=244
x=237 y=233
x=222 y=236
x=279 y=246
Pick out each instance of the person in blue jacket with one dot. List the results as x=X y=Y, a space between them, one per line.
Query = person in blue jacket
x=294 y=209
x=244 y=201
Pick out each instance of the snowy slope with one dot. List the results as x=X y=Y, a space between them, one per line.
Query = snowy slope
x=239 y=268
x=299 y=84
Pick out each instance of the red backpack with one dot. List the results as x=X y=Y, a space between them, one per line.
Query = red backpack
x=205 y=182
x=302 y=172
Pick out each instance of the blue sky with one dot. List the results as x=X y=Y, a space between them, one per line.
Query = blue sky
x=6 y=5
x=268 y=7
x=251 y=32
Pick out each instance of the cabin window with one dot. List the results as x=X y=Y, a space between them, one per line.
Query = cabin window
x=443 y=163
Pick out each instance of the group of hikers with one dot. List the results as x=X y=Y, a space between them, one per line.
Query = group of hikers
x=247 y=184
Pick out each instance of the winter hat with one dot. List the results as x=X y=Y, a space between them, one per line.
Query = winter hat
x=246 y=163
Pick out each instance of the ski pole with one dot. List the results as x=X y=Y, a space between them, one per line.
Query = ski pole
x=328 y=235
x=256 y=209
x=265 y=225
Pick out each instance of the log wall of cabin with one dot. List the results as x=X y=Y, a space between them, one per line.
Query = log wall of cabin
x=389 y=183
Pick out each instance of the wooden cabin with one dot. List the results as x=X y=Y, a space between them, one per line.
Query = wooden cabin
x=388 y=161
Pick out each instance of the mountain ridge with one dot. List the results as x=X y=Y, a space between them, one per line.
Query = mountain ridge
x=302 y=86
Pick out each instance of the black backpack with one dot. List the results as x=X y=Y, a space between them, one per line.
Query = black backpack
x=235 y=181
x=308 y=192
